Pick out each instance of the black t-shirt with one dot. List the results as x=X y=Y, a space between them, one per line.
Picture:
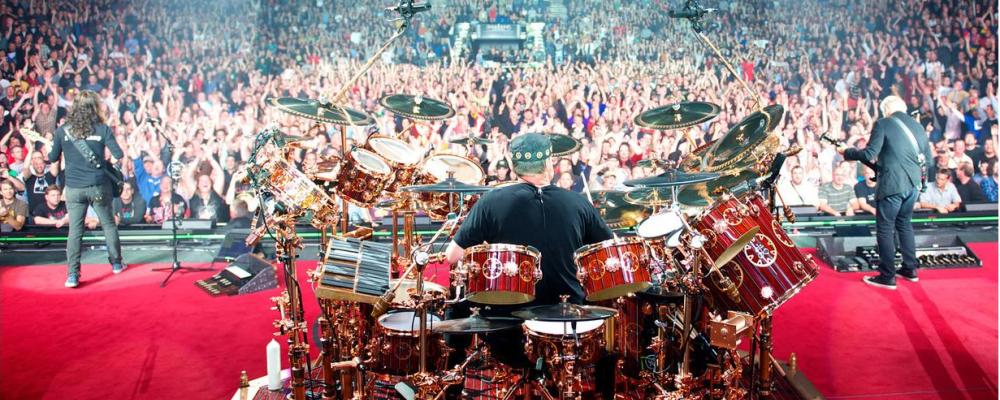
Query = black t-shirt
x=553 y=220
x=863 y=191
x=129 y=212
x=35 y=187
x=79 y=172
x=161 y=213
x=970 y=192
x=43 y=210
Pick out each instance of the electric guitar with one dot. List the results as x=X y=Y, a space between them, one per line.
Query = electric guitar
x=839 y=143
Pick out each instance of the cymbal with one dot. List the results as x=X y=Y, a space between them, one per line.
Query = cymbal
x=417 y=107
x=652 y=197
x=565 y=312
x=618 y=212
x=399 y=202
x=705 y=193
x=740 y=141
x=476 y=324
x=450 y=185
x=651 y=163
x=319 y=111
x=672 y=177
x=473 y=140
x=774 y=112
x=678 y=115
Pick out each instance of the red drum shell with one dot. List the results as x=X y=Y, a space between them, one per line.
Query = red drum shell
x=398 y=352
x=603 y=273
x=361 y=182
x=766 y=272
x=502 y=273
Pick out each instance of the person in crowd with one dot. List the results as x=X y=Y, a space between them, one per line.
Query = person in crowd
x=52 y=212
x=797 y=191
x=165 y=204
x=864 y=193
x=38 y=178
x=13 y=211
x=836 y=197
x=941 y=197
x=206 y=203
x=129 y=208
x=968 y=190
x=9 y=175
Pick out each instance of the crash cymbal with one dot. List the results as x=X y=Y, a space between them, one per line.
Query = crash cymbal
x=474 y=140
x=657 y=163
x=616 y=211
x=672 y=177
x=738 y=143
x=678 y=115
x=417 y=107
x=565 y=312
x=320 y=111
x=705 y=193
x=449 y=185
x=476 y=324
x=399 y=202
x=650 y=197
x=563 y=145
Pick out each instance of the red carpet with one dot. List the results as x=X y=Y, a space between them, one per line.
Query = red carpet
x=122 y=337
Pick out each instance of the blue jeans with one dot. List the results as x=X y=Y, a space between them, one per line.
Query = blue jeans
x=77 y=201
x=893 y=216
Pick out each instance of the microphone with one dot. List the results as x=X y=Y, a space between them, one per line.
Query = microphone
x=409 y=8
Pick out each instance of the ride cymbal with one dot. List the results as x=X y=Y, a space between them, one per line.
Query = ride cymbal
x=417 y=107
x=678 y=115
x=320 y=111
x=475 y=324
x=650 y=197
x=672 y=177
x=705 y=193
x=617 y=211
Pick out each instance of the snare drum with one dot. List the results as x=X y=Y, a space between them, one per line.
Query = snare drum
x=297 y=193
x=502 y=273
x=613 y=268
x=436 y=169
x=361 y=176
x=397 y=345
x=760 y=275
x=402 y=158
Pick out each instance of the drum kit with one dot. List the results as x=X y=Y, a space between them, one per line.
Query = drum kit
x=707 y=265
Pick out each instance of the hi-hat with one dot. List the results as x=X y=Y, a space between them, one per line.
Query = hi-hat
x=679 y=115
x=565 y=312
x=651 y=197
x=417 y=107
x=616 y=211
x=321 y=111
x=475 y=324
x=450 y=185
x=672 y=177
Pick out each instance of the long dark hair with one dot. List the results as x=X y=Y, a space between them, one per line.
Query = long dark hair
x=85 y=114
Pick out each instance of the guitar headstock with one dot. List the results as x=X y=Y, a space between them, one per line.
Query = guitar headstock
x=34 y=136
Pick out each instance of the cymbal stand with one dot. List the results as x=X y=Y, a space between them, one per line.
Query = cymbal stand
x=290 y=306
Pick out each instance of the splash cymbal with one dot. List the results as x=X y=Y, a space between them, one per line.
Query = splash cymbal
x=678 y=115
x=317 y=110
x=417 y=107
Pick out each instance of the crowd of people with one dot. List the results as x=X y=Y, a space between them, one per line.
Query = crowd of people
x=185 y=84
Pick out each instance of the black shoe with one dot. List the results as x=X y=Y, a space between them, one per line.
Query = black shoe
x=880 y=282
x=908 y=275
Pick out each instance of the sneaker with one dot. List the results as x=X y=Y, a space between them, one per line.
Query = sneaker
x=908 y=275
x=879 y=282
x=72 y=281
x=118 y=268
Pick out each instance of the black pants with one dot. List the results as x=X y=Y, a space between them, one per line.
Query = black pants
x=894 y=215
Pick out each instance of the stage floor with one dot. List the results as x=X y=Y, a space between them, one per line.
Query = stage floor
x=123 y=337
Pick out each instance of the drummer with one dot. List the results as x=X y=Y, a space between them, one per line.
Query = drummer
x=533 y=212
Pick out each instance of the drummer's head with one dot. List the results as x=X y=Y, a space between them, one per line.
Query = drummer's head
x=891 y=105
x=531 y=154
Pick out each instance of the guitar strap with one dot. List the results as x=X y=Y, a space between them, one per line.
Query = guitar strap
x=84 y=149
x=916 y=147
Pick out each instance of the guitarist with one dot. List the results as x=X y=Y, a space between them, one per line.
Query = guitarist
x=901 y=147
x=82 y=142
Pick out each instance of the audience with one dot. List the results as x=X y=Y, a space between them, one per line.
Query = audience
x=13 y=211
x=185 y=84
x=941 y=197
x=836 y=197
x=968 y=190
x=52 y=212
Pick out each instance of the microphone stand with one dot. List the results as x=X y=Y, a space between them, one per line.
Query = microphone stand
x=176 y=265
